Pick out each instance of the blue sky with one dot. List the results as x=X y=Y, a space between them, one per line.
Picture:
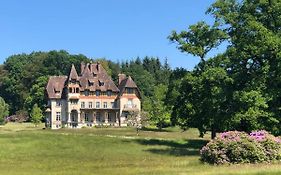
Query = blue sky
x=115 y=29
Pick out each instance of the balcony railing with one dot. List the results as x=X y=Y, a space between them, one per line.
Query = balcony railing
x=130 y=106
x=99 y=107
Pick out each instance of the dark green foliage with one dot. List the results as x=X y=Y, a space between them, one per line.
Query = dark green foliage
x=4 y=111
x=147 y=73
x=36 y=115
x=25 y=76
x=159 y=114
x=251 y=29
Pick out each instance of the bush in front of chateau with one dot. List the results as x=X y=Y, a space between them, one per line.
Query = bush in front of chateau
x=235 y=147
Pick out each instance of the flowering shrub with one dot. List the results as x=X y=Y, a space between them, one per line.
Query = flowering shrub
x=240 y=147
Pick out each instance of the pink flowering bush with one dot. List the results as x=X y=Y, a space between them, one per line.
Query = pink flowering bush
x=240 y=147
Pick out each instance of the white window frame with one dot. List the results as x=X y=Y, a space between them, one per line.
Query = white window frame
x=58 y=116
x=82 y=104
x=97 y=104
x=105 y=105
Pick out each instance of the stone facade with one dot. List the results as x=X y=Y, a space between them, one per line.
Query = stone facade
x=90 y=98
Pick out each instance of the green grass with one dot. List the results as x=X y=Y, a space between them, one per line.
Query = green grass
x=28 y=150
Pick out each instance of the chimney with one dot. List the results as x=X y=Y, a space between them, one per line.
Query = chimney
x=121 y=78
x=98 y=66
x=82 y=67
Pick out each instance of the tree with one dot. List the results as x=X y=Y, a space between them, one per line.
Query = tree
x=199 y=39
x=21 y=76
x=203 y=102
x=4 y=111
x=159 y=115
x=36 y=115
x=174 y=82
x=137 y=119
x=253 y=112
x=37 y=94
x=252 y=30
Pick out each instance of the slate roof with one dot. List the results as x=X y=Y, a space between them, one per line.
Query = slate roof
x=92 y=77
x=73 y=73
x=128 y=83
x=55 y=86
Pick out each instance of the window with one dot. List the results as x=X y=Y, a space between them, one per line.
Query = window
x=86 y=117
x=130 y=103
x=98 y=116
x=58 y=116
x=130 y=90
x=101 y=83
x=91 y=83
x=97 y=93
x=90 y=104
x=73 y=102
x=77 y=90
x=58 y=103
x=104 y=104
x=109 y=93
x=70 y=90
x=111 y=117
x=57 y=91
x=97 y=104
x=86 y=92
x=112 y=105
x=82 y=104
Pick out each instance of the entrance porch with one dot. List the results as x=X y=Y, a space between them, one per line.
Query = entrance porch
x=90 y=118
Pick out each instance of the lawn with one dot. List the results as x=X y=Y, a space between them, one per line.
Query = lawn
x=28 y=150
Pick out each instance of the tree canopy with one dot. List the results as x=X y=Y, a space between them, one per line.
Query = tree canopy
x=240 y=85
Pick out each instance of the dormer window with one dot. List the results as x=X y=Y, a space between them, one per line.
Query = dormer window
x=91 y=82
x=57 y=92
x=73 y=81
x=130 y=90
x=101 y=83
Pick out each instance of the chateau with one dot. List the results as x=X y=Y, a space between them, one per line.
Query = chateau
x=90 y=98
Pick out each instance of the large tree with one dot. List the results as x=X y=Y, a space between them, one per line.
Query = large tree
x=203 y=102
x=252 y=30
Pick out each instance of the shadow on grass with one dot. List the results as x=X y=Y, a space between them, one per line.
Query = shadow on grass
x=190 y=147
